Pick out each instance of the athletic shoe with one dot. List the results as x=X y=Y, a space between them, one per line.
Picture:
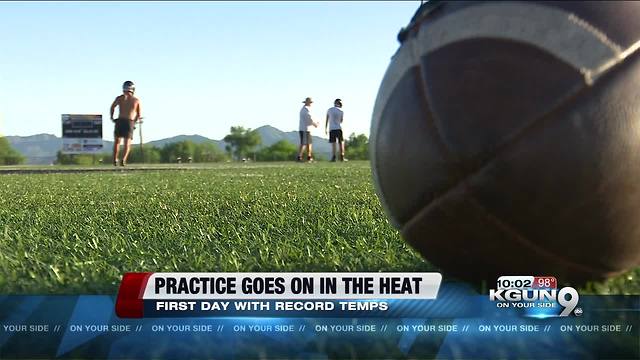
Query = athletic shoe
x=342 y=158
x=299 y=159
x=115 y=163
x=333 y=159
x=310 y=159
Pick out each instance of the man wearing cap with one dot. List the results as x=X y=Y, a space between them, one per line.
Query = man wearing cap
x=304 y=130
x=129 y=113
x=334 y=123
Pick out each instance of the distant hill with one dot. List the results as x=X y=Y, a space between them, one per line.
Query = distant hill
x=271 y=135
x=41 y=149
x=194 y=138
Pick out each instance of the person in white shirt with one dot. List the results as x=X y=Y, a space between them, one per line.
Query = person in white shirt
x=304 y=130
x=335 y=115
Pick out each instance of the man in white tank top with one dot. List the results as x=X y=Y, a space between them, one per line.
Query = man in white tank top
x=335 y=116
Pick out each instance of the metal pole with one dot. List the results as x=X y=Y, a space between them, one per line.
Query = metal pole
x=141 y=147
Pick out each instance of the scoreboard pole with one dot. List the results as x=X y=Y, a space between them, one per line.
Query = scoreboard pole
x=141 y=147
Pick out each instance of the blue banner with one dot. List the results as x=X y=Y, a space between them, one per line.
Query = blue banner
x=458 y=324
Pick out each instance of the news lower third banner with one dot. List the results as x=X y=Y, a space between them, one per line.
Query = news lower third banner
x=321 y=315
x=273 y=294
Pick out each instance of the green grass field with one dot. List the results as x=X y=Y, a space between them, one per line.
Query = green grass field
x=71 y=233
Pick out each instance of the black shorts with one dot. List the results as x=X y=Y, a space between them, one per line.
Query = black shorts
x=123 y=129
x=335 y=134
x=305 y=137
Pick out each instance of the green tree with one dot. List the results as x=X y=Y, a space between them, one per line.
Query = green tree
x=282 y=150
x=183 y=150
x=151 y=154
x=208 y=152
x=242 y=141
x=8 y=155
x=357 y=147
x=202 y=152
x=82 y=159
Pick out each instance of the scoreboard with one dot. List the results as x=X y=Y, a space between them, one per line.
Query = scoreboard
x=81 y=134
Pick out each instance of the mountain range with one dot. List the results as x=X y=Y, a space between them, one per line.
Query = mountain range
x=42 y=148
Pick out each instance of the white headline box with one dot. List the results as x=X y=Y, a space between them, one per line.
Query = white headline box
x=271 y=286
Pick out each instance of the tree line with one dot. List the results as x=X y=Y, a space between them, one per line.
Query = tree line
x=182 y=151
x=8 y=155
x=241 y=144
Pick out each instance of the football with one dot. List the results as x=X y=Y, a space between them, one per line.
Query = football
x=506 y=138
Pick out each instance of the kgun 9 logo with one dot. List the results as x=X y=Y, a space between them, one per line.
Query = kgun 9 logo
x=567 y=297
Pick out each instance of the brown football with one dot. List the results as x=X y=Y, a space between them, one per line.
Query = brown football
x=506 y=138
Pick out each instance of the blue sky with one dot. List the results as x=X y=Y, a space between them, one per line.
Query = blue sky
x=199 y=67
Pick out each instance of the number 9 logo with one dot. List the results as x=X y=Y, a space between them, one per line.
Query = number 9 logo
x=569 y=304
